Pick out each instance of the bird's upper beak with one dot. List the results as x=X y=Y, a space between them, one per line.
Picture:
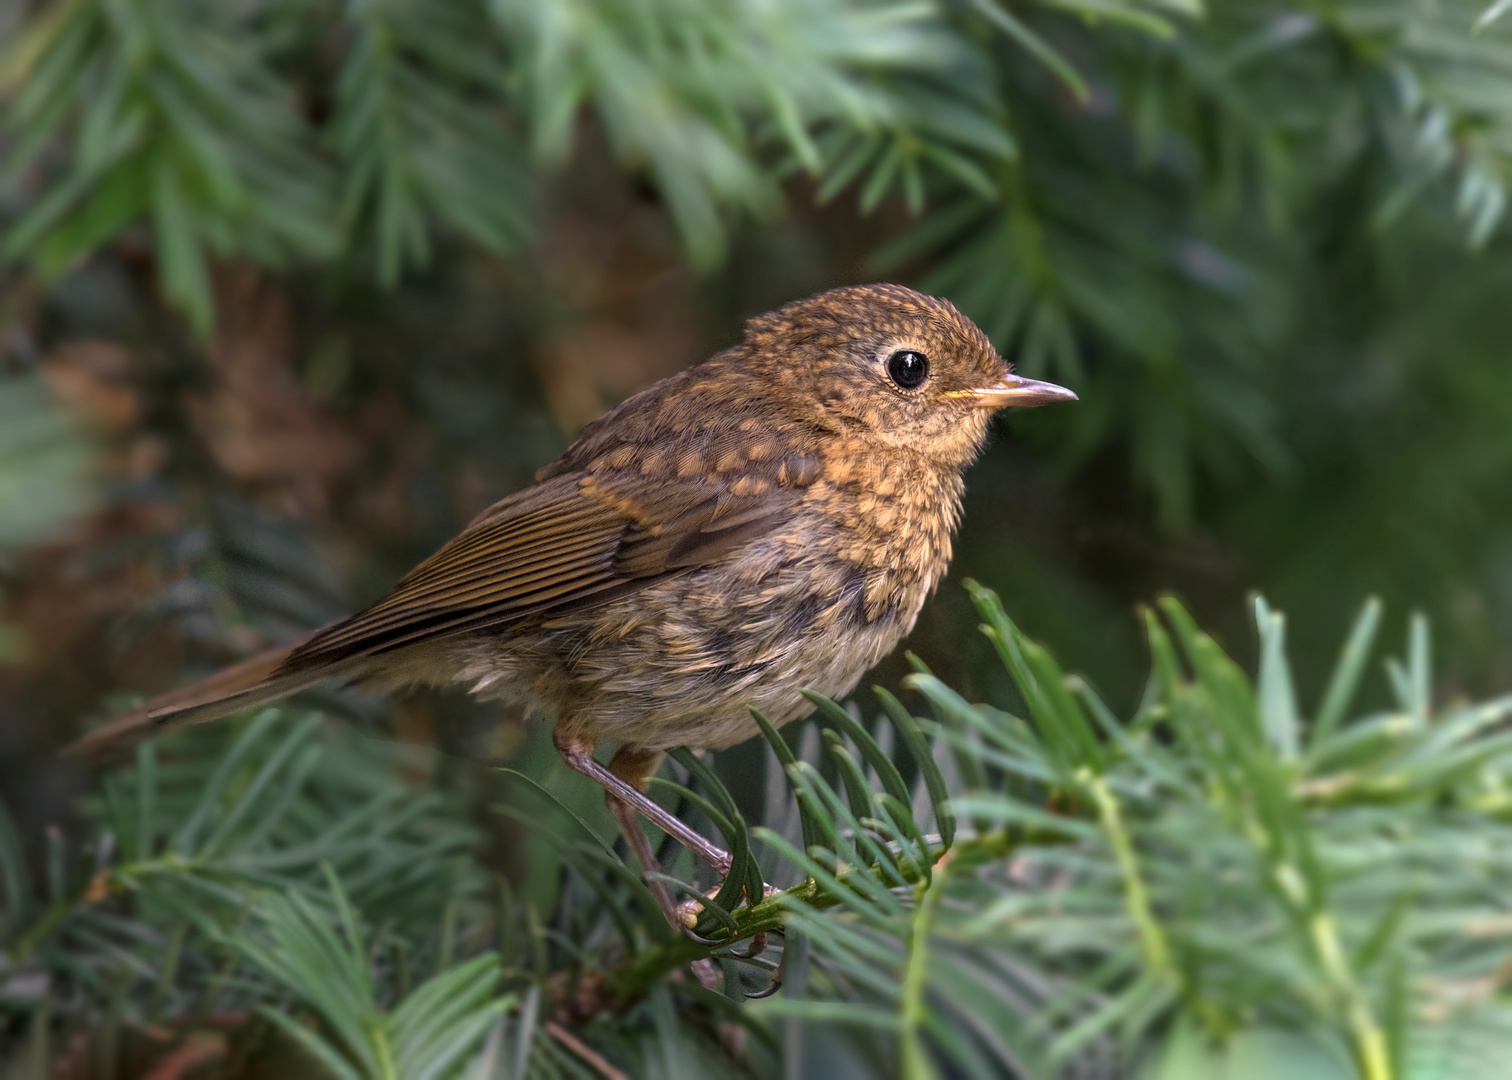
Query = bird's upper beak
x=1015 y=390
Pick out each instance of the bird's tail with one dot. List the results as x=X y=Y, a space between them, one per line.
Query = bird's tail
x=242 y=686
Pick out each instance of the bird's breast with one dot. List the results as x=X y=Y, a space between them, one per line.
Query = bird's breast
x=891 y=519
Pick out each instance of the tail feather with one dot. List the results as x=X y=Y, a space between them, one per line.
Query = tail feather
x=242 y=686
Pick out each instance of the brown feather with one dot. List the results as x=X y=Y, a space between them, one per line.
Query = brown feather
x=125 y=731
x=576 y=540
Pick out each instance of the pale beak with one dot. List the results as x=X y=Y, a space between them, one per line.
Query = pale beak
x=1015 y=390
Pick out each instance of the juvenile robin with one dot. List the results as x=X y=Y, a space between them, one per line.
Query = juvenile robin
x=770 y=519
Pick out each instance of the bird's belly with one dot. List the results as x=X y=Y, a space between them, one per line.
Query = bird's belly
x=682 y=661
x=708 y=647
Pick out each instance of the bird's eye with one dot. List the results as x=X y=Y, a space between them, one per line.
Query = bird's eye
x=908 y=368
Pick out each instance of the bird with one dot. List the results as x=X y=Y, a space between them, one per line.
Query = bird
x=770 y=519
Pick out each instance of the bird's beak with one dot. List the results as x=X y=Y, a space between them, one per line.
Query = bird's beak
x=1015 y=390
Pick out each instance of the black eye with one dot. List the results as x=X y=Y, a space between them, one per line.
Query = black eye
x=908 y=368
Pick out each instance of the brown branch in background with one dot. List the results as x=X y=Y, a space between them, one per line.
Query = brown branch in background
x=584 y=1051
x=258 y=422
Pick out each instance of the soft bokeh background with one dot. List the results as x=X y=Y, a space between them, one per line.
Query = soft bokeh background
x=291 y=291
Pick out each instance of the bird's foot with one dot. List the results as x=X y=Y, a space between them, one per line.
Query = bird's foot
x=687 y=915
x=689 y=910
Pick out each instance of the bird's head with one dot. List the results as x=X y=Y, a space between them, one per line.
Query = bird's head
x=887 y=364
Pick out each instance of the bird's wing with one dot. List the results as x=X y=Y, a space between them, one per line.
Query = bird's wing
x=574 y=541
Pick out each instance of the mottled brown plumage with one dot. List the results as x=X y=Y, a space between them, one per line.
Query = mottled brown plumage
x=773 y=518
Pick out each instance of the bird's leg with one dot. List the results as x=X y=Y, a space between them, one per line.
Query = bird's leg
x=579 y=755
x=634 y=766
x=629 y=769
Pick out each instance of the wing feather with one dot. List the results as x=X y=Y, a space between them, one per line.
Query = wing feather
x=571 y=541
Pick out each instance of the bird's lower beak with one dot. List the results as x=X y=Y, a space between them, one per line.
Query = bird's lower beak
x=1016 y=390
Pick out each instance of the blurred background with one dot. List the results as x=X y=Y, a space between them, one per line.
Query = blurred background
x=292 y=290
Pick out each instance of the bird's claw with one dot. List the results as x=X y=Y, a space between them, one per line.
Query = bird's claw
x=757 y=995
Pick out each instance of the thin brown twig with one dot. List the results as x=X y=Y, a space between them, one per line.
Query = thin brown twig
x=584 y=1051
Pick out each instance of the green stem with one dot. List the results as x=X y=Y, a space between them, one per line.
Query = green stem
x=1323 y=934
x=43 y=928
x=916 y=1063
x=387 y=1070
x=1157 y=950
x=1369 y=1040
x=125 y=878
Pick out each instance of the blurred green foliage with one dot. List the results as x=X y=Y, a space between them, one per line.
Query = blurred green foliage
x=44 y=465
x=45 y=479
x=1264 y=241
